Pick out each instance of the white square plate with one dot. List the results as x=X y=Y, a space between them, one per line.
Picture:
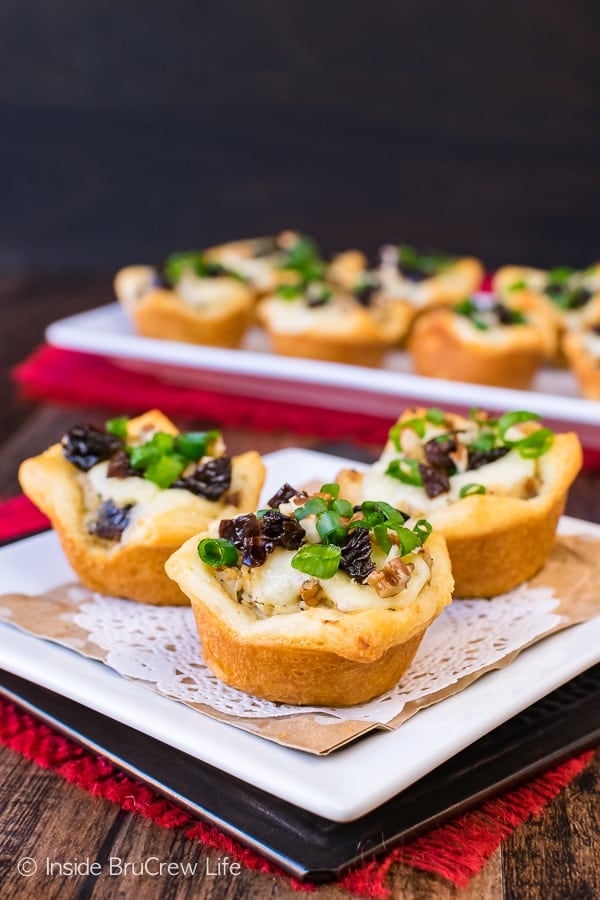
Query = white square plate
x=342 y=786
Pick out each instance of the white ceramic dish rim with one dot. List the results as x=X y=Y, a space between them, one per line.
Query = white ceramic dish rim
x=106 y=331
x=341 y=787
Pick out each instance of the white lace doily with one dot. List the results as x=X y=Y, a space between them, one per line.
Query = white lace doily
x=159 y=646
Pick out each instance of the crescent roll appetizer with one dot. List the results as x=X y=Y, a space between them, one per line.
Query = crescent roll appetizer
x=582 y=351
x=312 y=602
x=426 y=279
x=267 y=262
x=565 y=293
x=198 y=301
x=495 y=488
x=122 y=499
x=319 y=321
x=483 y=340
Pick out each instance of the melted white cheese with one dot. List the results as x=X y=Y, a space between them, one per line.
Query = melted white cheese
x=209 y=293
x=591 y=343
x=274 y=588
x=146 y=499
x=509 y=476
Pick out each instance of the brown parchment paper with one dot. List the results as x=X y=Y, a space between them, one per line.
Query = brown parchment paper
x=572 y=572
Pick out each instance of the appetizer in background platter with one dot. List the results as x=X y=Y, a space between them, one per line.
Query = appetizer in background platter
x=483 y=340
x=343 y=310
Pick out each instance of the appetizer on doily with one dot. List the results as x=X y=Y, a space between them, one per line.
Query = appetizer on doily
x=495 y=488
x=123 y=498
x=312 y=601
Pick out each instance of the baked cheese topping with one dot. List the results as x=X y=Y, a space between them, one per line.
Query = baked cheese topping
x=339 y=314
x=510 y=476
x=275 y=587
x=222 y=294
x=258 y=271
x=319 y=552
x=435 y=459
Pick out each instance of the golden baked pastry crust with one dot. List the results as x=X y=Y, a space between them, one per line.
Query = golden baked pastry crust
x=318 y=656
x=163 y=314
x=444 y=344
x=494 y=542
x=134 y=570
x=584 y=364
x=344 y=333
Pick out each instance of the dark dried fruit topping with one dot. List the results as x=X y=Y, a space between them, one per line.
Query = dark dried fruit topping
x=85 y=446
x=210 y=480
x=256 y=538
x=281 y=531
x=437 y=452
x=356 y=557
x=435 y=482
x=365 y=293
x=111 y=521
x=285 y=493
x=120 y=466
x=480 y=458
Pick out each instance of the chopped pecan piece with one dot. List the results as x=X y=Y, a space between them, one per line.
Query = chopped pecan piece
x=311 y=591
x=392 y=579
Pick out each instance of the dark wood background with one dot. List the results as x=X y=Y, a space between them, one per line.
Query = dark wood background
x=132 y=128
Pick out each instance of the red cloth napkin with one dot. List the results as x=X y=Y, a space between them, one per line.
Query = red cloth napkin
x=456 y=851
x=83 y=379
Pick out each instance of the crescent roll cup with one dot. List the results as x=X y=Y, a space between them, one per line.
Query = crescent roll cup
x=444 y=344
x=134 y=568
x=340 y=331
x=317 y=656
x=495 y=542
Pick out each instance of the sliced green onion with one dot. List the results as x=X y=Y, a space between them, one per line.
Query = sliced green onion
x=312 y=507
x=409 y=540
x=118 y=426
x=417 y=425
x=536 y=444
x=518 y=286
x=262 y=512
x=163 y=442
x=319 y=560
x=330 y=528
x=484 y=442
x=165 y=470
x=217 y=552
x=468 y=490
x=391 y=513
x=290 y=291
x=343 y=508
x=435 y=416
x=194 y=444
x=560 y=274
x=423 y=528
x=332 y=489
x=507 y=421
x=141 y=457
x=382 y=537
x=405 y=470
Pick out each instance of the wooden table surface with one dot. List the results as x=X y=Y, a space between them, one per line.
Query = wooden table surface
x=41 y=816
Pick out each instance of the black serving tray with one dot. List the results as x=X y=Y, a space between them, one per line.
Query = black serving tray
x=308 y=846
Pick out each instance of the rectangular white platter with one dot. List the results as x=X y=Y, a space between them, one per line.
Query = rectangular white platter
x=255 y=372
x=342 y=786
